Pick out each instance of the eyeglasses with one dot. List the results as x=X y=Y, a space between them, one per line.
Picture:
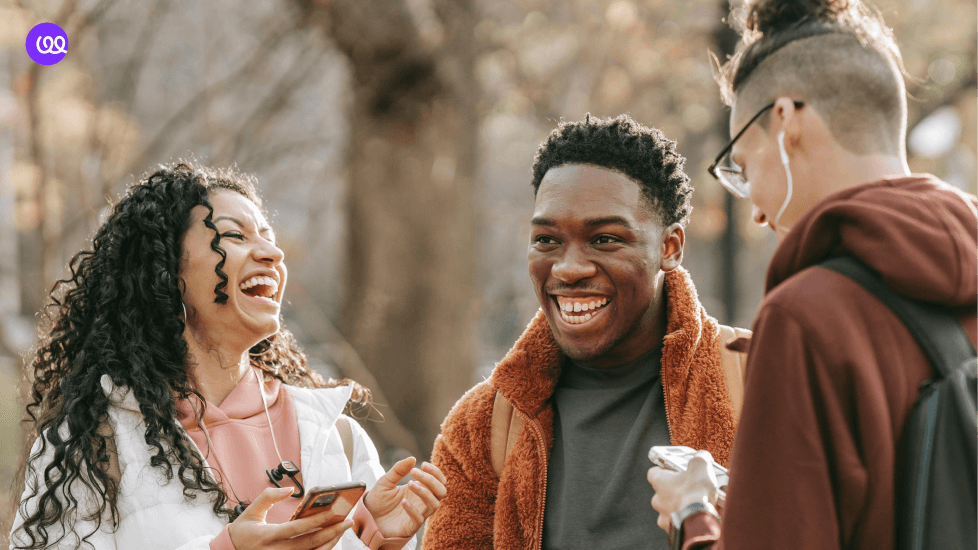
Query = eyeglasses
x=726 y=170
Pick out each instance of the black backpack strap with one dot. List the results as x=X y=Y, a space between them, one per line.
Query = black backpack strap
x=939 y=334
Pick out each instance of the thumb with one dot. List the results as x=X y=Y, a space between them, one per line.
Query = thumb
x=701 y=465
x=396 y=473
x=256 y=510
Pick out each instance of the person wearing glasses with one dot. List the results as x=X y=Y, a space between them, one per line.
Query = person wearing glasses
x=551 y=451
x=818 y=119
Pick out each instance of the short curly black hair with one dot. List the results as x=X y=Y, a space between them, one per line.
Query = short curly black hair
x=621 y=144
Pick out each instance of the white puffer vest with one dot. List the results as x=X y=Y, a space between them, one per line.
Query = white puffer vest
x=154 y=515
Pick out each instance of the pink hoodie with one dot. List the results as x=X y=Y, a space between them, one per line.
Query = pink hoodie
x=243 y=450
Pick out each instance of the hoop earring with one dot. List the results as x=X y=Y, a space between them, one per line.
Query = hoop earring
x=184 y=306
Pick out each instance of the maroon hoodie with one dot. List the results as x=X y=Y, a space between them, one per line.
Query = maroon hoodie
x=832 y=373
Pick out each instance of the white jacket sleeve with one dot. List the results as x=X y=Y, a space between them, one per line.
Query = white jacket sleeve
x=83 y=531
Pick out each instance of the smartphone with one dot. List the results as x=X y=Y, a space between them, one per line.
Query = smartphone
x=340 y=499
x=677 y=458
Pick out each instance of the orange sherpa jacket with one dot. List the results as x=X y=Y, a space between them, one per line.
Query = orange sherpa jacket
x=482 y=511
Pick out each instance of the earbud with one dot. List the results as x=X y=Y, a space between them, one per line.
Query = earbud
x=787 y=172
x=784 y=153
x=286 y=469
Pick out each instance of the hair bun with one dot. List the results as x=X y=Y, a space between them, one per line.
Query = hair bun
x=769 y=17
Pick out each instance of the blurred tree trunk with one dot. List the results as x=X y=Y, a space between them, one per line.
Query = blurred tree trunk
x=725 y=41
x=410 y=305
x=32 y=248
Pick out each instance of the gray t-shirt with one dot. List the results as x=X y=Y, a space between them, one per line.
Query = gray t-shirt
x=605 y=421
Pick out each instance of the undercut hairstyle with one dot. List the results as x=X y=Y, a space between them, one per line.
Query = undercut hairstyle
x=119 y=314
x=642 y=153
x=838 y=56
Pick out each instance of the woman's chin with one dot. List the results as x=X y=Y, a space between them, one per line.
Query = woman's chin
x=258 y=329
x=269 y=330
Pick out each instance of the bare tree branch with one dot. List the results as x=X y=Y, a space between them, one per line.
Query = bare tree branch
x=280 y=150
x=95 y=14
x=275 y=101
x=31 y=244
x=193 y=106
x=126 y=88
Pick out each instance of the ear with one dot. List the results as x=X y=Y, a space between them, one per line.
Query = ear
x=671 y=247
x=787 y=118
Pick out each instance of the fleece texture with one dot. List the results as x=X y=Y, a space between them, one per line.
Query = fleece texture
x=482 y=511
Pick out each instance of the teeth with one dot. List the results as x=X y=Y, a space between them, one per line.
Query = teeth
x=267 y=281
x=567 y=308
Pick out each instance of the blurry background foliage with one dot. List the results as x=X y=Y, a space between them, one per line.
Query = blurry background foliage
x=393 y=140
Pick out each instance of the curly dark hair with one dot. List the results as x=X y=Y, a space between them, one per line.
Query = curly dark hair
x=621 y=144
x=119 y=313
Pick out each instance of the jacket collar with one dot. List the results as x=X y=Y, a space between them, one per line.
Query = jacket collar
x=528 y=374
x=325 y=404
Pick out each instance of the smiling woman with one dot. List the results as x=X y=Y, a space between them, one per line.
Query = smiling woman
x=166 y=352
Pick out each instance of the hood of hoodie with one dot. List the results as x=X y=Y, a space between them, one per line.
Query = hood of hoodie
x=919 y=233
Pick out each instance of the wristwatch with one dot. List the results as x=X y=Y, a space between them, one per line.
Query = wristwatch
x=678 y=517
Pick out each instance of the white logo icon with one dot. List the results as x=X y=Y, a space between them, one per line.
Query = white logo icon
x=52 y=45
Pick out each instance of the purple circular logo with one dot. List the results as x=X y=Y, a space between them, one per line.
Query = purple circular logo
x=47 y=43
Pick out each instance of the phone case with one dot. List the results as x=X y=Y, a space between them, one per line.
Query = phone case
x=340 y=499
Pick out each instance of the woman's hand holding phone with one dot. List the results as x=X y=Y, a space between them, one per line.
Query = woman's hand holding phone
x=250 y=532
x=399 y=510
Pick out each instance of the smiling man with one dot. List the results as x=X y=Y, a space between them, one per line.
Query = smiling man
x=551 y=451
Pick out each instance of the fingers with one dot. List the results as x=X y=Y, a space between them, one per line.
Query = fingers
x=701 y=476
x=396 y=473
x=657 y=503
x=701 y=465
x=427 y=498
x=297 y=527
x=431 y=481
x=428 y=486
x=323 y=539
x=256 y=510
x=664 y=523
x=412 y=512
x=657 y=476
x=433 y=470
x=327 y=538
